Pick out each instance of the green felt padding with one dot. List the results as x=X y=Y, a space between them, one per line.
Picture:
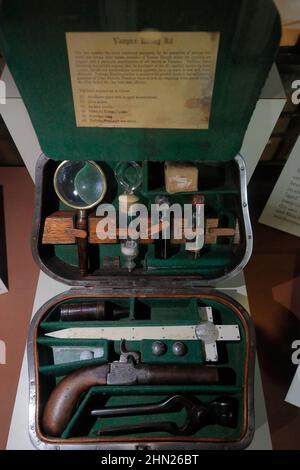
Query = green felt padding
x=60 y=370
x=157 y=311
x=249 y=37
x=207 y=192
x=97 y=398
x=143 y=312
x=217 y=257
x=146 y=390
x=222 y=204
x=67 y=253
x=132 y=309
x=174 y=311
x=212 y=431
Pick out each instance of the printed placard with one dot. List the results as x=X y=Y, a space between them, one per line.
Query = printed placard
x=282 y=210
x=146 y=79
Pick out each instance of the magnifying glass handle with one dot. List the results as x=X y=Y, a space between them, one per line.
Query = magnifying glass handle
x=82 y=243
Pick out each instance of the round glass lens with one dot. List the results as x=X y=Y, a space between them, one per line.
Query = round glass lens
x=80 y=184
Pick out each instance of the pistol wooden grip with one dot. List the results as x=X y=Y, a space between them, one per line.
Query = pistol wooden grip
x=63 y=399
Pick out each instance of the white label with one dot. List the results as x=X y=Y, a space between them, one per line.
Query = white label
x=282 y=210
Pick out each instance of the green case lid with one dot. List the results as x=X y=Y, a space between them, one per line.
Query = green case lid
x=33 y=42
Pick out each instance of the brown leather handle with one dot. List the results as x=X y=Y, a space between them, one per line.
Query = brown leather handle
x=63 y=399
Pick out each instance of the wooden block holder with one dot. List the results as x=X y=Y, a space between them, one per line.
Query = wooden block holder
x=59 y=229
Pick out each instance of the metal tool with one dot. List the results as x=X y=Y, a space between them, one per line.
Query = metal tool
x=209 y=333
x=221 y=411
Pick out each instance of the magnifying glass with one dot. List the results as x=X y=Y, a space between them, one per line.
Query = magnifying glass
x=80 y=185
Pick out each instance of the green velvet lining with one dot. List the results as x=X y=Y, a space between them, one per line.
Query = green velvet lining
x=33 y=42
x=97 y=396
x=143 y=312
x=218 y=182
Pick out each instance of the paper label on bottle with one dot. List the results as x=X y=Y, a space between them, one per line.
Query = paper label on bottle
x=147 y=79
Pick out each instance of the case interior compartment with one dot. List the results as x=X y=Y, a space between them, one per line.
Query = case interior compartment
x=160 y=311
x=220 y=184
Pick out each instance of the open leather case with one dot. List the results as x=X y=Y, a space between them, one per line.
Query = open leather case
x=177 y=327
